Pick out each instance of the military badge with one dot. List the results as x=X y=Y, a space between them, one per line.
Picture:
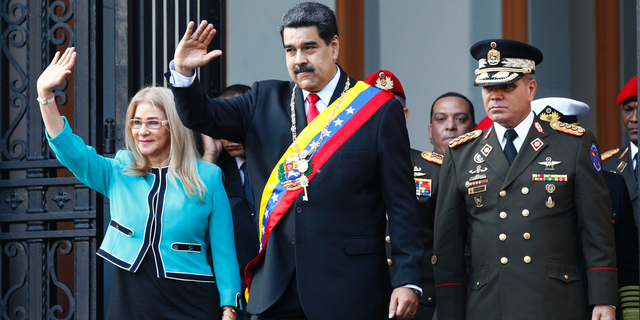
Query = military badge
x=550 y=188
x=567 y=128
x=434 y=259
x=469 y=136
x=624 y=153
x=477 y=177
x=477 y=189
x=549 y=177
x=383 y=82
x=478 y=158
x=486 y=150
x=475 y=183
x=478 y=201
x=417 y=173
x=478 y=169
x=538 y=127
x=486 y=136
x=621 y=166
x=595 y=157
x=537 y=144
x=549 y=164
x=608 y=154
x=423 y=187
x=549 y=203
x=493 y=56
x=293 y=174
x=432 y=157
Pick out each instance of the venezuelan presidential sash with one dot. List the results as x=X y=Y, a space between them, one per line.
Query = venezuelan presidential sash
x=359 y=104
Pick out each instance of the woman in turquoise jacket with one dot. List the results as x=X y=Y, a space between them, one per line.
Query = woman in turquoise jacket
x=165 y=205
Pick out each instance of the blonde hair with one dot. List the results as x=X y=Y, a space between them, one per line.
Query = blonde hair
x=183 y=157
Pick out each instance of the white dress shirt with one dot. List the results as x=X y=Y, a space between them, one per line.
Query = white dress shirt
x=522 y=129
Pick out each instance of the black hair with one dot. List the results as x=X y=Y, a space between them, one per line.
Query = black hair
x=234 y=90
x=309 y=14
x=457 y=95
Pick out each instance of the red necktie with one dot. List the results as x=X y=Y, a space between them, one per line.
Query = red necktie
x=312 y=98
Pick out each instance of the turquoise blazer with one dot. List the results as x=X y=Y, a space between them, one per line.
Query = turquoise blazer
x=175 y=230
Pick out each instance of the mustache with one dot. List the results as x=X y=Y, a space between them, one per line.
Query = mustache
x=303 y=68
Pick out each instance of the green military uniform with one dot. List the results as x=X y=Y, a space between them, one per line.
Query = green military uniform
x=620 y=162
x=426 y=172
x=524 y=233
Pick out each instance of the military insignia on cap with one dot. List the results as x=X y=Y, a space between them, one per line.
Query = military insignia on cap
x=538 y=127
x=550 y=115
x=567 y=128
x=464 y=138
x=486 y=150
x=595 y=157
x=537 y=144
x=432 y=157
x=608 y=154
x=383 y=82
x=493 y=56
x=623 y=154
x=621 y=166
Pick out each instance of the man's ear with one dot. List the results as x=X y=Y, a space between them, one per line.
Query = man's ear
x=335 y=46
x=430 y=138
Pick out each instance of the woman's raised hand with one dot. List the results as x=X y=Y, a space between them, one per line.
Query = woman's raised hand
x=54 y=74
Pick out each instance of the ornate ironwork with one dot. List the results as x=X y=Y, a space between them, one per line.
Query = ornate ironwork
x=13 y=201
x=54 y=278
x=17 y=251
x=61 y=198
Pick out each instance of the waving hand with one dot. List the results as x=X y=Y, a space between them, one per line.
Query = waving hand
x=192 y=52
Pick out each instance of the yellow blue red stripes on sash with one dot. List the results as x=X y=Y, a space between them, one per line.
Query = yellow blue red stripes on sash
x=359 y=104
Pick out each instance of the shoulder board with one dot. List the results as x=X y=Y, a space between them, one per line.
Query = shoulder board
x=432 y=157
x=624 y=153
x=567 y=128
x=464 y=138
x=606 y=155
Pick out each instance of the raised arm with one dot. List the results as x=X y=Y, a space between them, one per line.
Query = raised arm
x=53 y=77
x=192 y=52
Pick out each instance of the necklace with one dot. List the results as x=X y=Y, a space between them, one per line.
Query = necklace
x=300 y=157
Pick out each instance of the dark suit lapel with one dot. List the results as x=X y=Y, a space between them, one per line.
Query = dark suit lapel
x=526 y=155
x=629 y=177
x=496 y=159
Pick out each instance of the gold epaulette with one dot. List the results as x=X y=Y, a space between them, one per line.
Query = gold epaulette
x=432 y=157
x=606 y=155
x=464 y=138
x=567 y=128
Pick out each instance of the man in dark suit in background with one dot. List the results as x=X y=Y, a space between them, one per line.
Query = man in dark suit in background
x=521 y=195
x=232 y=162
x=323 y=198
x=453 y=116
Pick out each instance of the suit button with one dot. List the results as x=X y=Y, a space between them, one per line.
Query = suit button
x=293 y=241
x=525 y=190
x=504 y=260
x=478 y=284
x=566 y=277
x=175 y=247
x=387 y=239
x=389 y=262
x=430 y=299
x=503 y=193
x=299 y=210
x=526 y=236
x=503 y=215
x=525 y=212
x=502 y=237
x=527 y=259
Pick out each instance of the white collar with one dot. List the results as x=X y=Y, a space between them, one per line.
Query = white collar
x=240 y=161
x=634 y=150
x=326 y=92
x=522 y=129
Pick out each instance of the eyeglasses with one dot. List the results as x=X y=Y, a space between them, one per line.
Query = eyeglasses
x=151 y=124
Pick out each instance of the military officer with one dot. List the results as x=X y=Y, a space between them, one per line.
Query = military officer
x=623 y=160
x=528 y=199
x=451 y=115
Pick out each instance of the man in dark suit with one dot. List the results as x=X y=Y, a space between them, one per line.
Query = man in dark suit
x=451 y=116
x=623 y=160
x=522 y=195
x=232 y=162
x=323 y=198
